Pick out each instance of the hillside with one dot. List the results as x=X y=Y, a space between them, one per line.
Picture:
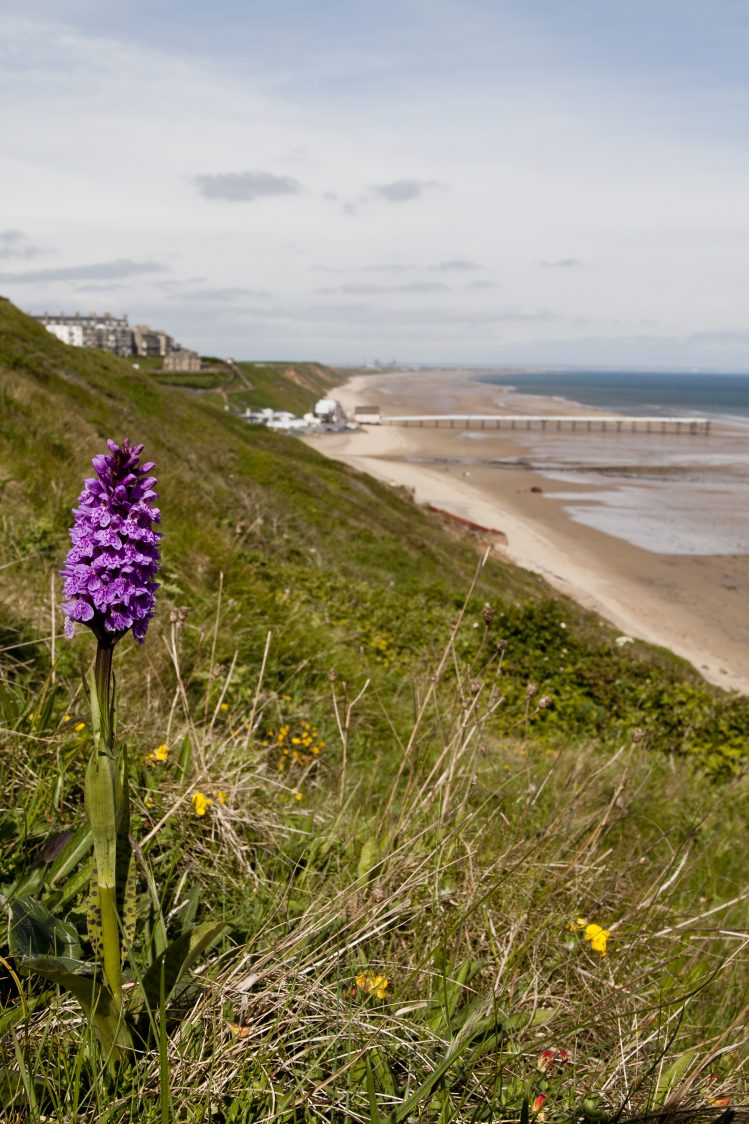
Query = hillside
x=282 y=386
x=331 y=561
x=400 y=729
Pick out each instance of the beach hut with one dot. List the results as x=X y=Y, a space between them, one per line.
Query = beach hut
x=367 y=415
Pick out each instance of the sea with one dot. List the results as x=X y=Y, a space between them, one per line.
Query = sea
x=669 y=494
x=639 y=393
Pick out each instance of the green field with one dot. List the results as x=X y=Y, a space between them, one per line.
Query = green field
x=430 y=766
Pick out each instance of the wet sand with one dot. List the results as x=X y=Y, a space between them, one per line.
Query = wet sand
x=694 y=604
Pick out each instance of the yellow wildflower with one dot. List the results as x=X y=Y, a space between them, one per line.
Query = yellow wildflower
x=296 y=794
x=159 y=755
x=67 y=717
x=597 y=937
x=575 y=926
x=221 y=797
x=224 y=706
x=379 y=986
x=200 y=803
x=148 y=801
x=375 y=985
x=79 y=726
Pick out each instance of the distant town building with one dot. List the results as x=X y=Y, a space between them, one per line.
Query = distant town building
x=181 y=359
x=111 y=333
x=150 y=341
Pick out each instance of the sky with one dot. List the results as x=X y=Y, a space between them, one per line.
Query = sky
x=484 y=182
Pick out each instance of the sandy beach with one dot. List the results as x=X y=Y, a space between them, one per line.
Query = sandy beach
x=693 y=603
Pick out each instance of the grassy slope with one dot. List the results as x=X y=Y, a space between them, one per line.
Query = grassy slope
x=497 y=821
x=338 y=565
x=282 y=386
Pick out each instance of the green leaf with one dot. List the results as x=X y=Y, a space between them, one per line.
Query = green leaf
x=176 y=959
x=673 y=1075
x=374 y=1112
x=106 y=810
x=74 y=850
x=185 y=757
x=125 y=862
x=455 y=1050
x=49 y=947
x=84 y=982
x=449 y=993
x=93 y=700
x=13 y=1087
x=30 y=882
x=34 y=932
x=93 y=918
x=370 y=858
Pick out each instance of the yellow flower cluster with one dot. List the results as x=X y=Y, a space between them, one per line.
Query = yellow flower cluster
x=159 y=755
x=375 y=985
x=201 y=803
x=77 y=726
x=597 y=935
x=294 y=745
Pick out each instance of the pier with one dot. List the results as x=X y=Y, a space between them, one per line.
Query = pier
x=598 y=423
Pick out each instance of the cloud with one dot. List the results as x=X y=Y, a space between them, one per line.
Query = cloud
x=457 y=265
x=97 y=271
x=180 y=283
x=562 y=263
x=15 y=244
x=481 y=285
x=403 y=191
x=349 y=316
x=243 y=187
x=393 y=268
x=369 y=289
x=106 y=287
x=219 y=295
x=348 y=206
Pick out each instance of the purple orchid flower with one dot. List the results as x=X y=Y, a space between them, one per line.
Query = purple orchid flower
x=111 y=567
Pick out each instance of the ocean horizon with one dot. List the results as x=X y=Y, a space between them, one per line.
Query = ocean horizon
x=637 y=393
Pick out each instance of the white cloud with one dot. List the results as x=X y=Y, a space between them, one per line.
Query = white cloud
x=562 y=263
x=360 y=289
x=15 y=244
x=243 y=187
x=456 y=265
x=403 y=191
x=112 y=270
x=620 y=160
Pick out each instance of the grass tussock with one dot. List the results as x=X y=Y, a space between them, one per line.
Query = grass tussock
x=471 y=860
x=403 y=942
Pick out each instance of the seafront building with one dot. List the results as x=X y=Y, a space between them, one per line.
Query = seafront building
x=114 y=333
x=150 y=341
x=110 y=333
x=182 y=359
